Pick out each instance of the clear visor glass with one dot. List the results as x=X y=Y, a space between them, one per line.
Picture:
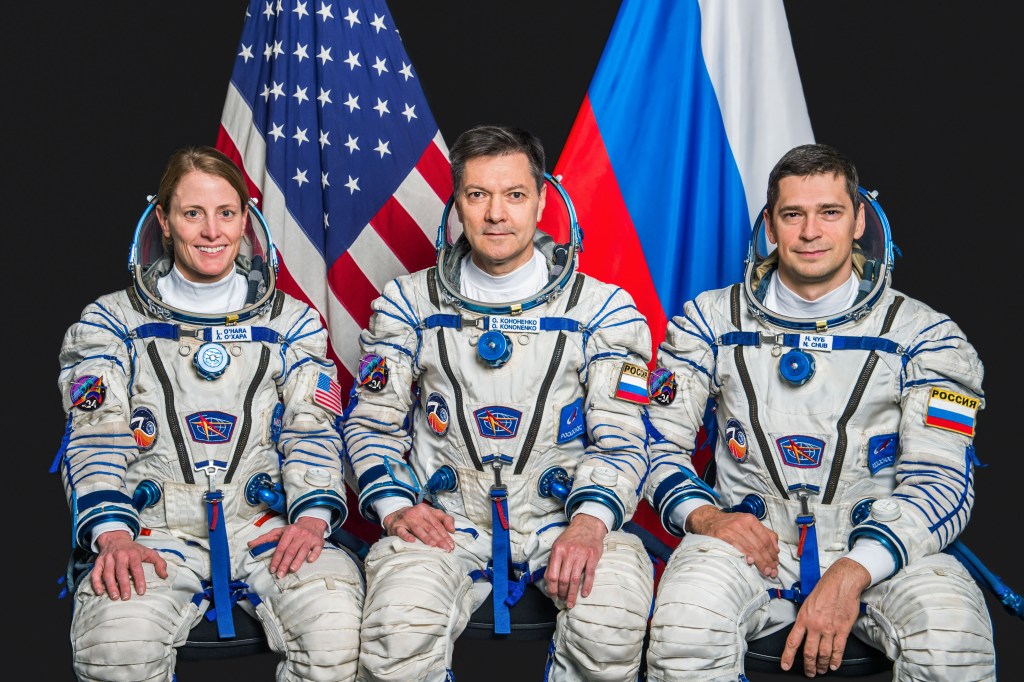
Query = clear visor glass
x=875 y=243
x=148 y=245
x=874 y=258
x=149 y=257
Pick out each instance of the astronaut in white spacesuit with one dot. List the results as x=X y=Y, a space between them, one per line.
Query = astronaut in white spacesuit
x=199 y=400
x=530 y=379
x=845 y=415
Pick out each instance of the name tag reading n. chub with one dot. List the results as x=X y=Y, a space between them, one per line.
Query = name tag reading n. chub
x=816 y=342
x=514 y=325
x=231 y=334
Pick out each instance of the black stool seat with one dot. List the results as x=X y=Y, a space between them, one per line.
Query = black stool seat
x=859 y=659
x=533 y=618
x=204 y=643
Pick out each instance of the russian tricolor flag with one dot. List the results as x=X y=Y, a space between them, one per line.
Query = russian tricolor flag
x=667 y=163
x=952 y=411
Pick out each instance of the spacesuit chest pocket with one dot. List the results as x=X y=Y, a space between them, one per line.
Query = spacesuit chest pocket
x=185 y=507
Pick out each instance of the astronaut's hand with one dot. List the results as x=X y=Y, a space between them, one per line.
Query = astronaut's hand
x=743 y=531
x=298 y=542
x=422 y=522
x=119 y=564
x=826 y=618
x=574 y=557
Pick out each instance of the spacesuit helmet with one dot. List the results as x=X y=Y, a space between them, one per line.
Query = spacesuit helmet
x=557 y=220
x=150 y=259
x=873 y=256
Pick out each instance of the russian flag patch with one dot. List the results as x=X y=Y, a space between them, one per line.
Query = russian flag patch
x=951 y=411
x=632 y=384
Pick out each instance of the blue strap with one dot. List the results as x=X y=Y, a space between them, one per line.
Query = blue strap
x=481 y=574
x=794 y=595
x=560 y=324
x=810 y=571
x=65 y=439
x=793 y=341
x=519 y=586
x=439 y=320
x=159 y=330
x=1011 y=601
x=500 y=550
x=238 y=590
x=220 y=563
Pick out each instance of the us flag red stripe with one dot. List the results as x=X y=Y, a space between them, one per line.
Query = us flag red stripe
x=325 y=115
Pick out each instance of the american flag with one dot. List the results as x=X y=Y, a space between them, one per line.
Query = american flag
x=325 y=115
x=327 y=393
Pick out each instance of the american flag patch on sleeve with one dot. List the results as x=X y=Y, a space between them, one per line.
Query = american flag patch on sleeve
x=327 y=393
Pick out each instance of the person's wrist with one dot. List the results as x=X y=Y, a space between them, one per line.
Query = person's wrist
x=111 y=536
x=698 y=520
x=853 y=574
x=590 y=523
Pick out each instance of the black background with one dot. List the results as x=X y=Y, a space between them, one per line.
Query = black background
x=918 y=94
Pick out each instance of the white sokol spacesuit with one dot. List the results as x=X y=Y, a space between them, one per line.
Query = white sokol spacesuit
x=504 y=395
x=852 y=431
x=182 y=428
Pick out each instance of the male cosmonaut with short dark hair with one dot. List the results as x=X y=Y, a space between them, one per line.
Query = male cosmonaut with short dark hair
x=530 y=377
x=845 y=413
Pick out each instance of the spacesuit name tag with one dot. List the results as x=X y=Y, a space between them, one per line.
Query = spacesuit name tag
x=230 y=334
x=815 y=342
x=516 y=325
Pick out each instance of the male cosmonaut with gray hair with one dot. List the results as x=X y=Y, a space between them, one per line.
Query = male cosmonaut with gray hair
x=845 y=415
x=525 y=441
x=201 y=459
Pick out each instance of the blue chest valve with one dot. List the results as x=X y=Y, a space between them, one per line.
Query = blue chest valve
x=260 y=488
x=751 y=504
x=444 y=480
x=211 y=360
x=555 y=482
x=494 y=348
x=146 y=494
x=797 y=367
